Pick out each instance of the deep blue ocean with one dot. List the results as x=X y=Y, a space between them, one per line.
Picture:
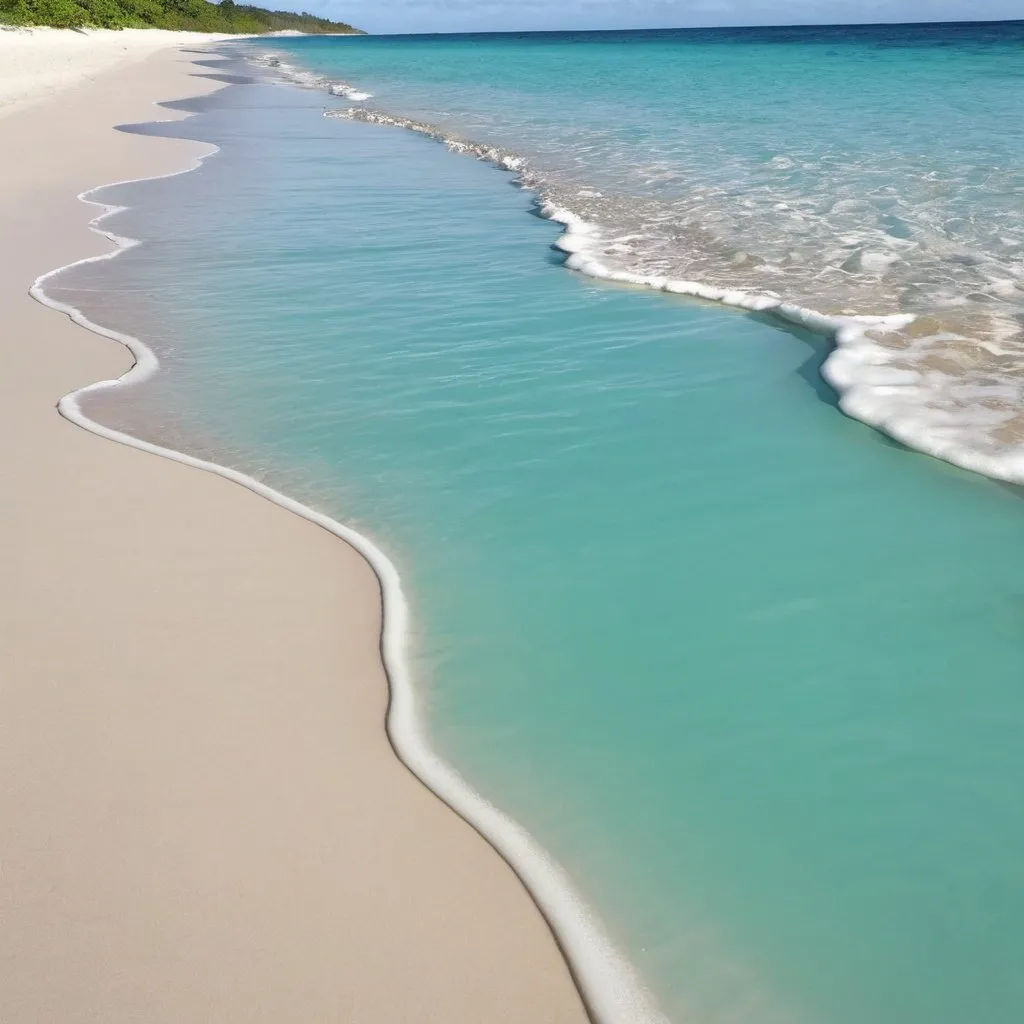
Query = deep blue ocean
x=751 y=671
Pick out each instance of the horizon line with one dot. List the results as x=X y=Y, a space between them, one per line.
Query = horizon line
x=705 y=28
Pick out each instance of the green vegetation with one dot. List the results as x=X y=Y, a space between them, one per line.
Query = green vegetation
x=188 y=15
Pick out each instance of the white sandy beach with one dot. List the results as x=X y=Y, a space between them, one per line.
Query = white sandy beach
x=38 y=63
x=200 y=816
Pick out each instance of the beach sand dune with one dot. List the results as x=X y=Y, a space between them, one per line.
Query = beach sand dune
x=200 y=816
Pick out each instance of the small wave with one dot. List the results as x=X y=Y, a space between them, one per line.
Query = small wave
x=951 y=386
x=497 y=155
x=309 y=79
x=346 y=91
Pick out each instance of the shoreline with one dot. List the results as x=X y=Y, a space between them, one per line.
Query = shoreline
x=611 y=989
x=871 y=382
x=508 y=966
x=855 y=367
x=42 y=62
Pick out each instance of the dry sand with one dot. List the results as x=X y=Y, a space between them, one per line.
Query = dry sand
x=37 y=63
x=200 y=816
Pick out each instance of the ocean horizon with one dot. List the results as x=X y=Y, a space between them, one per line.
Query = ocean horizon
x=743 y=666
x=712 y=30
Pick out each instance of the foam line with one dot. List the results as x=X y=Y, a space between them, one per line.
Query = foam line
x=898 y=400
x=610 y=987
x=309 y=79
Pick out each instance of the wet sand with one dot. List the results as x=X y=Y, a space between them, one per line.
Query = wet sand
x=202 y=818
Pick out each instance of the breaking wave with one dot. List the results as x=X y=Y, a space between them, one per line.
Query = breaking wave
x=949 y=383
x=308 y=79
x=927 y=317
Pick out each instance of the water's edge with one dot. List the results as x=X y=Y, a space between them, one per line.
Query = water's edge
x=856 y=367
x=861 y=368
x=609 y=985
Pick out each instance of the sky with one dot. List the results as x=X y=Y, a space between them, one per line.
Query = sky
x=524 y=15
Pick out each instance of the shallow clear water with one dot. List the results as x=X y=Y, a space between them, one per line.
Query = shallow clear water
x=751 y=672
x=884 y=143
x=871 y=170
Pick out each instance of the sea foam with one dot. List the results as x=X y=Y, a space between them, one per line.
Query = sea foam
x=308 y=79
x=931 y=387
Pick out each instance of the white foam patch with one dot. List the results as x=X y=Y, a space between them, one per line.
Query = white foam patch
x=608 y=983
x=346 y=91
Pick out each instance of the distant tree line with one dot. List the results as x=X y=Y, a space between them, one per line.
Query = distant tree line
x=180 y=15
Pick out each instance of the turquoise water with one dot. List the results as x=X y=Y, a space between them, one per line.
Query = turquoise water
x=858 y=170
x=750 y=671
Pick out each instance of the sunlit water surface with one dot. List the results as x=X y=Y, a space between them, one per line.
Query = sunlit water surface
x=749 y=671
